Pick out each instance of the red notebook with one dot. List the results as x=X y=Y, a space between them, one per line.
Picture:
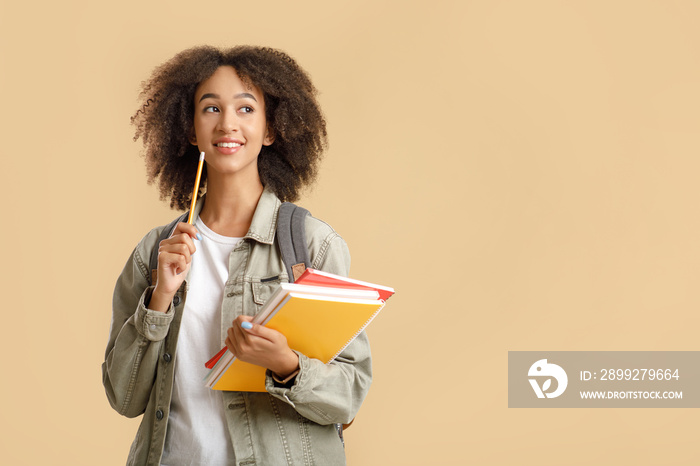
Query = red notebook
x=318 y=278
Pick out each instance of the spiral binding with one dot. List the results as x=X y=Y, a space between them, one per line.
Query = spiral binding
x=359 y=331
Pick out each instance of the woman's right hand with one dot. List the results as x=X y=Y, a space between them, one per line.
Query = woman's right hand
x=174 y=260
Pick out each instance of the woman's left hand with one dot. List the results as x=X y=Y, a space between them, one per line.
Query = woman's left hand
x=261 y=346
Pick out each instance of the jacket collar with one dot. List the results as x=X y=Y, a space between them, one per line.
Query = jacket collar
x=264 y=223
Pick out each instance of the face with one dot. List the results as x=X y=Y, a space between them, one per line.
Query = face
x=230 y=124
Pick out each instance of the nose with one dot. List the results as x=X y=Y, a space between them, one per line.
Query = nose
x=228 y=122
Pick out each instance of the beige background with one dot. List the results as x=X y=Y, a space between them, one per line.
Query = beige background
x=523 y=173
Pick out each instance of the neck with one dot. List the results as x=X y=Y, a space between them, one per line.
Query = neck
x=230 y=204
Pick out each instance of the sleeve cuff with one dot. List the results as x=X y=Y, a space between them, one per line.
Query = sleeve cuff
x=294 y=383
x=152 y=325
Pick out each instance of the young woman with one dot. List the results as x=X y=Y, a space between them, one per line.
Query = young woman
x=254 y=113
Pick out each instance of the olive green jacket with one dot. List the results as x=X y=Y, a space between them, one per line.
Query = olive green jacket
x=288 y=425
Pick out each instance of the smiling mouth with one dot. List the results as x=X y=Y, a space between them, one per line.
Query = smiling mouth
x=228 y=144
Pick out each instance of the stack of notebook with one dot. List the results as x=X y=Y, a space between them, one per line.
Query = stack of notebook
x=319 y=315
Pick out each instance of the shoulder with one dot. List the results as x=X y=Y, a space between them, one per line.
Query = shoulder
x=317 y=229
x=145 y=247
x=135 y=276
x=327 y=249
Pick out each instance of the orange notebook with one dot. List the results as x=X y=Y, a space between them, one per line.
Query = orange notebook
x=320 y=327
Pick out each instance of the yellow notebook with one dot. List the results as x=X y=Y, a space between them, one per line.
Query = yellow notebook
x=319 y=327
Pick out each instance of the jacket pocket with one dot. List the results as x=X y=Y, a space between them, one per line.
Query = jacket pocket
x=263 y=289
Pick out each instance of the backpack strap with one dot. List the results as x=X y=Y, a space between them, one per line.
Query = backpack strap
x=165 y=234
x=291 y=239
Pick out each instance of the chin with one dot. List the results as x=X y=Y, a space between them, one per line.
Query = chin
x=233 y=169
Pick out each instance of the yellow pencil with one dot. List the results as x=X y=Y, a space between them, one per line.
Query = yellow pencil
x=196 y=187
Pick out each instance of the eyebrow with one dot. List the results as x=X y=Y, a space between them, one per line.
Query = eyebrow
x=242 y=95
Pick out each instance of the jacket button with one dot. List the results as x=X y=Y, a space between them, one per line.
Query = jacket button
x=166 y=357
x=159 y=414
x=176 y=300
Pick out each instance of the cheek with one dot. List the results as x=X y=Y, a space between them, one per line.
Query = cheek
x=200 y=128
x=259 y=129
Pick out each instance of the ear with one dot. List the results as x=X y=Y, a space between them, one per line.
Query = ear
x=193 y=137
x=269 y=136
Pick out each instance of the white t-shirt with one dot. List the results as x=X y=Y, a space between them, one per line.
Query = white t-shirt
x=197 y=431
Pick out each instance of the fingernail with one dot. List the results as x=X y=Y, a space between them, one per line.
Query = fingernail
x=199 y=237
x=246 y=325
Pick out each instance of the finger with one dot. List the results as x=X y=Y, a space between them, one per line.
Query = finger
x=238 y=323
x=240 y=319
x=251 y=329
x=229 y=345
x=182 y=238
x=247 y=344
x=187 y=229
x=181 y=249
x=230 y=337
x=239 y=337
x=175 y=262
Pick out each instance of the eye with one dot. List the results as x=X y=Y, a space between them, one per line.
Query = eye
x=211 y=109
x=246 y=109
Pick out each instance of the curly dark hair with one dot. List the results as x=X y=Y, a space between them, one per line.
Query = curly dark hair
x=166 y=118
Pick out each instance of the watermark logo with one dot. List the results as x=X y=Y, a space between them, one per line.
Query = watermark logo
x=544 y=370
x=603 y=379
